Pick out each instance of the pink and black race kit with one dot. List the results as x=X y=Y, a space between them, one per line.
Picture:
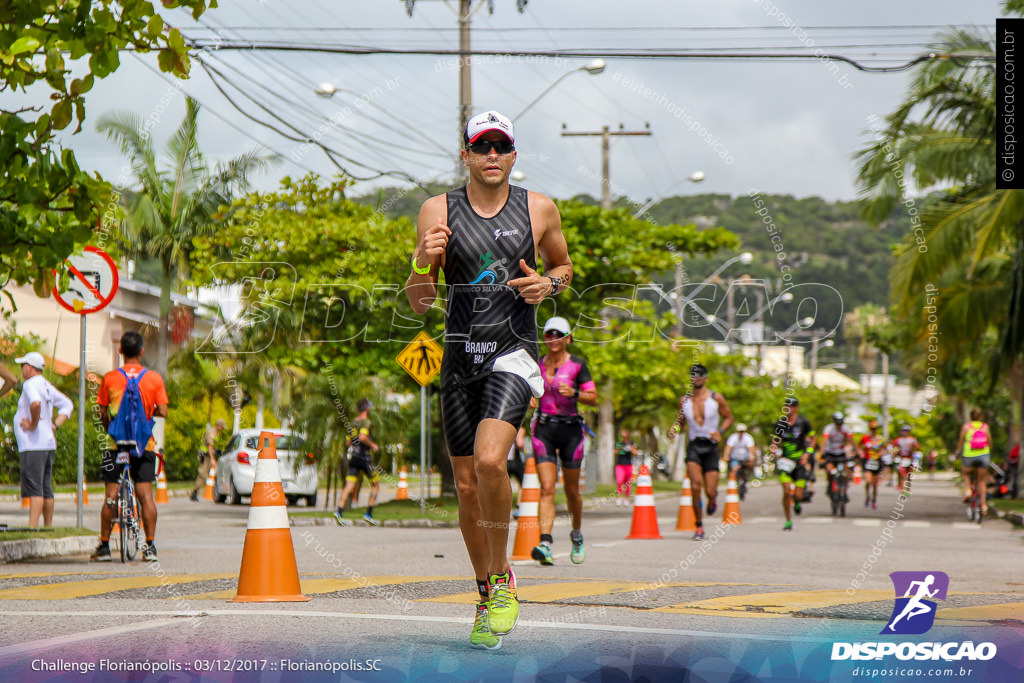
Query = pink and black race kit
x=557 y=425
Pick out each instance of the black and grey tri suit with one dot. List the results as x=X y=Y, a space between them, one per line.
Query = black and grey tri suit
x=490 y=366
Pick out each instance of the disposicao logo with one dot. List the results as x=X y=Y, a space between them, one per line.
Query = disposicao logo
x=914 y=614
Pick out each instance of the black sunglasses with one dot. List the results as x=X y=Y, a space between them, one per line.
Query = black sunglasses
x=553 y=334
x=485 y=146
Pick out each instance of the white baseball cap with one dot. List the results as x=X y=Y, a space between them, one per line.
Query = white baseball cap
x=489 y=120
x=33 y=358
x=557 y=324
x=741 y=427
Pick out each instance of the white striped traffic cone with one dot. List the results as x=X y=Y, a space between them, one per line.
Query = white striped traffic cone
x=161 y=487
x=210 y=477
x=527 y=526
x=687 y=520
x=403 y=486
x=645 y=515
x=268 y=572
x=731 y=514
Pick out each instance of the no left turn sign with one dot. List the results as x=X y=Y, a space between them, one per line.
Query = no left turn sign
x=92 y=281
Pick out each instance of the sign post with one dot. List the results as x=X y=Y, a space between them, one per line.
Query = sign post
x=422 y=360
x=92 y=283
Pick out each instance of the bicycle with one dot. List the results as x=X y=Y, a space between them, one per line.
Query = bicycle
x=838 y=485
x=127 y=517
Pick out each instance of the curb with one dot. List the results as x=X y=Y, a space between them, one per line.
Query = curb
x=354 y=521
x=32 y=548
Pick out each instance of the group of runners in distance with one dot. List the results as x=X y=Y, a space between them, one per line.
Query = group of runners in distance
x=486 y=238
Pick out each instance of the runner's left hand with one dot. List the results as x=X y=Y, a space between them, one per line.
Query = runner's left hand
x=533 y=287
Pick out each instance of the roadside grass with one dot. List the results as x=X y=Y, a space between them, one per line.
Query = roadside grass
x=58 y=532
x=1007 y=504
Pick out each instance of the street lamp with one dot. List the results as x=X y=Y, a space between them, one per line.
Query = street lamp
x=678 y=302
x=814 y=354
x=803 y=324
x=593 y=68
x=695 y=177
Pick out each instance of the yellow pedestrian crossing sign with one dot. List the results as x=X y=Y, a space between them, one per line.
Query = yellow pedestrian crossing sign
x=421 y=358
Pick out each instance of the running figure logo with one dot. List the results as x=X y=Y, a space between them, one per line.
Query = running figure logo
x=913 y=614
x=491 y=271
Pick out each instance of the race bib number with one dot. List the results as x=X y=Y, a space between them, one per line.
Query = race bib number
x=786 y=465
x=122 y=458
x=886 y=459
x=873 y=465
x=906 y=462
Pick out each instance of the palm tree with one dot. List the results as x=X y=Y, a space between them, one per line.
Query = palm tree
x=969 y=242
x=858 y=324
x=173 y=204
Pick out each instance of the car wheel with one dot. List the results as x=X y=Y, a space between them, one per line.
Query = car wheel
x=311 y=501
x=234 y=495
x=292 y=500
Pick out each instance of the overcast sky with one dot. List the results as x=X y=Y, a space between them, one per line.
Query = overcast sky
x=786 y=127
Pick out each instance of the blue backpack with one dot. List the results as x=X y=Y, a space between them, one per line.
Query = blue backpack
x=131 y=423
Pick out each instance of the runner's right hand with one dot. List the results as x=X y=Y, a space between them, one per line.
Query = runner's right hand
x=434 y=241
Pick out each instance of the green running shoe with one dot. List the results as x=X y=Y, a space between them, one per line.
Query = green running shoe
x=542 y=554
x=578 y=553
x=481 y=638
x=503 y=607
x=788 y=526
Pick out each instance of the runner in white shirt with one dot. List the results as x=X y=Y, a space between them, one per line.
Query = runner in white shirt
x=739 y=449
x=34 y=428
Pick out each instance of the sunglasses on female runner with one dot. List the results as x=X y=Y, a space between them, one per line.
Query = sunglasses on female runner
x=485 y=146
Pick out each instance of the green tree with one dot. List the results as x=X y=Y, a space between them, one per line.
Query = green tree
x=48 y=205
x=175 y=204
x=614 y=316
x=965 y=255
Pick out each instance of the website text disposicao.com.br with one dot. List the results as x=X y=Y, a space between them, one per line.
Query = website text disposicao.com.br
x=900 y=672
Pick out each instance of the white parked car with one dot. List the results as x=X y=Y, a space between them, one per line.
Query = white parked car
x=236 y=468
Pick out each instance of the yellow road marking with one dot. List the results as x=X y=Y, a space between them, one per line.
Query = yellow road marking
x=1001 y=612
x=549 y=592
x=81 y=589
x=35 y=575
x=330 y=585
x=779 y=603
x=678 y=609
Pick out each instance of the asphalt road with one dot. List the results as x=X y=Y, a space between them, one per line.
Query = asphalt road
x=751 y=603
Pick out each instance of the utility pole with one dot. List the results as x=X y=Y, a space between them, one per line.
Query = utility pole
x=606 y=135
x=606 y=410
x=465 y=21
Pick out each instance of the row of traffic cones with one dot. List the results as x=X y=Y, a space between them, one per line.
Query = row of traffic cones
x=645 y=516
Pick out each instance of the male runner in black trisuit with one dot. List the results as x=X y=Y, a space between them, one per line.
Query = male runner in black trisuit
x=485 y=236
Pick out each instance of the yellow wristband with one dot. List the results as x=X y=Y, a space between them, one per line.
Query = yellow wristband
x=418 y=270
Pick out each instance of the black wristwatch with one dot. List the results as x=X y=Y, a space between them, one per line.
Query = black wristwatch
x=554 y=285
x=576 y=395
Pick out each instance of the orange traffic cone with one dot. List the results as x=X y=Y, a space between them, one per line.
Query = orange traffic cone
x=403 y=486
x=161 y=487
x=687 y=521
x=645 y=516
x=856 y=475
x=26 y=503
x=527 y=528
x=85 y=493
x=268 y=572
x=208 y=491
x=731 y=514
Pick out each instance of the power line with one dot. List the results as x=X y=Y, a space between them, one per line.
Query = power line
x=645 y=54
x=220 y=116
